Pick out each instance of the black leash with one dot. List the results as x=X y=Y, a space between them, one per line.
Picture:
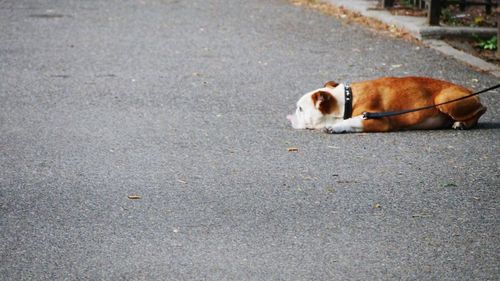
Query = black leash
x=378 y=115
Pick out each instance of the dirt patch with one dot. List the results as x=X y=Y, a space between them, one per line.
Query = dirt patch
x=451 y=15
x=471 y=46
x=472 y=16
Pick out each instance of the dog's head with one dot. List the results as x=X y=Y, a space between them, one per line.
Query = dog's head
x=317 y=108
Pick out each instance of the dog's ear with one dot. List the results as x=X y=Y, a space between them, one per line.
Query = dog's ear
x=331 y=84
x=324 y=102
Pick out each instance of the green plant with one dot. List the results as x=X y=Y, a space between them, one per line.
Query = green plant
x=405 y=3
x=487 y=44
x=447 y=17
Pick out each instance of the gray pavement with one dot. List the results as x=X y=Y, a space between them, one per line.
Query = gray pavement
x=184 y=104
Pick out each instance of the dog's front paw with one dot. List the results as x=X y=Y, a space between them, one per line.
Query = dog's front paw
x=334 y=130
x=328 y=130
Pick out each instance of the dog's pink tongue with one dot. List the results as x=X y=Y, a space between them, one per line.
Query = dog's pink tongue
x=290 y=118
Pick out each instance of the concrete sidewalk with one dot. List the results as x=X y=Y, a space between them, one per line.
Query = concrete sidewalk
x=420 y=29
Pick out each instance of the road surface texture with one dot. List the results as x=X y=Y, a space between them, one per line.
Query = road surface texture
x=183 y=103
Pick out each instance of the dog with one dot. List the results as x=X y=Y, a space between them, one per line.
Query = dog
x=337 y=108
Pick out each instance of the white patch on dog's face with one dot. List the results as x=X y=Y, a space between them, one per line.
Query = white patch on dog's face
x=306 y=114
x=310 y=112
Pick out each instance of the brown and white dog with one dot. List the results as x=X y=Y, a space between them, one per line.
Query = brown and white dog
x=324 y=108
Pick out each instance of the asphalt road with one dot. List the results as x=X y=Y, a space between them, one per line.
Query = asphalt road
x=183 y=103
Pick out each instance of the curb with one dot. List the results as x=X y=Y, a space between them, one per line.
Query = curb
x=438 y=32
x=428 y=35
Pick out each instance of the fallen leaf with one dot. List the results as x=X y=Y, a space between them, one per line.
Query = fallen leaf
x=181 y=181
x=134 y=197
x=330 y=190
x=377 y=206
x=293 y=149
x=479 y=20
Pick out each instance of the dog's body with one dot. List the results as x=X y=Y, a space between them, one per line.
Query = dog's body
x=324 y=108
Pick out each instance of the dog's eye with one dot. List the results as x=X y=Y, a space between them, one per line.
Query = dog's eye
x=300 y=109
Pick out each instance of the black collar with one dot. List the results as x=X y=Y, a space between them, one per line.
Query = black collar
x=347 y=101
